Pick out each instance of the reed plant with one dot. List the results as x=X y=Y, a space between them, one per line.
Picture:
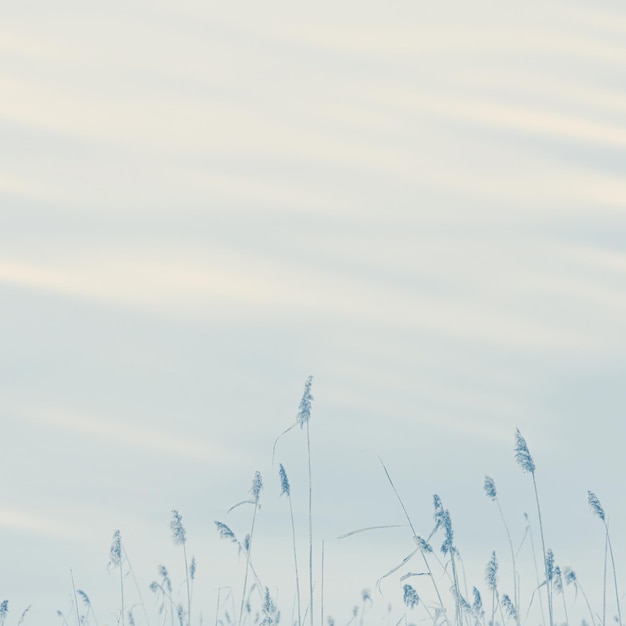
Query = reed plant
x=303 y=418
x=437 y=594
x=255 y=491
x=285 y=489
x=490 y=490
x=116 y=560
x=596 y=507
x=180 y=538
x=525 y=461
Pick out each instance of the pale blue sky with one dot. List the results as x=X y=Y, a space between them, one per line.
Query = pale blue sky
x=201 y=204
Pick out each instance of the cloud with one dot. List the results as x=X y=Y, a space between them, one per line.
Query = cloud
x=126 y=433
x=40 y=524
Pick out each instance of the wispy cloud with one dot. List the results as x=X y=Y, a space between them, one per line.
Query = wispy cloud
x=146 y=436
x=39 y=523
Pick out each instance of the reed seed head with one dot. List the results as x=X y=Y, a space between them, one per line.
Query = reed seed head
x=84 y=597
x=192 y=568
x=284 y=481
x=549 y=564
x=257 y=485
x=522 y=454
x=115 y=552
x=268 y=609
x=225 y=532
x=570 y=576
x=558 y=580
x=477 y=605
x=490 y=488
x=166 y=577
x=411 y=599
x=177 y=528
x=463 y=603
x=446 y=522
x=304 y=408
x=491 y=571
x=424 y=546
x=509 y=607
x=595 y=505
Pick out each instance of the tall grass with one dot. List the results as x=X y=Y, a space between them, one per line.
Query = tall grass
x=597 y=509
x=115 y=559
x=436 y=594
x=180 y=538
x=490 y=489
x=525 y=461
x=285 y=488
x=304 y=416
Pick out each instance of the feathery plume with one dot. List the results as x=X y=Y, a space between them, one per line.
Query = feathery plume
x=595 y=506
x=225 y=532
x=522 y=454
x=490 y=487
x=177 y=528
x=491 y=571
x=115 y=552
x=304 y=409
x=411 y=599
x=257 y=485
x=284 y=481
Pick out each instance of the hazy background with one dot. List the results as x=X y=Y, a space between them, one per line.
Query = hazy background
x=203 y=203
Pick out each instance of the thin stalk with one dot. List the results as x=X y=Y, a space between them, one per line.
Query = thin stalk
x=606 y=547
x=188 y=585
x=532 y=547
x=565 y=607
x=322 y=589
x=457 y=591
x=619 y=612
x=122 y=594
x=308 y=444
x=132 y=573
x=543 y=547
x=245 y=580
x=508 y=534
x=75 y=598
x=217 y=609
x=295 y=560
x=406 y=514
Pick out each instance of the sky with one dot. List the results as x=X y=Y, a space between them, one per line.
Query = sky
x=422 y=205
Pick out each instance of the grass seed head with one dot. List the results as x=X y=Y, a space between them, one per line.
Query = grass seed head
x=491 y=571
x=304 y=408
x=490 y=488
x=177 y=528
x=595 y=505
x=411 y=599
x=284 y=481
x=509 y=607
x=225 y=532
x=477 y=605
x=522 y=454
x=115 y=552
x=549 y=564
x=257 y=485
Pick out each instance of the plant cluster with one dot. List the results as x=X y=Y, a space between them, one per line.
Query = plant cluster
x=438 y=594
